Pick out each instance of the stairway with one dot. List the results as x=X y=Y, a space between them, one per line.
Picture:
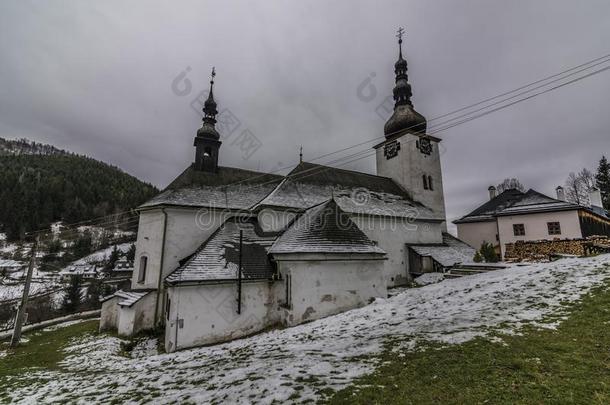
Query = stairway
x=461 y=270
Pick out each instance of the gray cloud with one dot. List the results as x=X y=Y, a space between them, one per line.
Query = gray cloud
x=95 y=78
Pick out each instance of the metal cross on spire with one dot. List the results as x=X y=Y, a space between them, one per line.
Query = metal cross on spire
x=213 y=74
x=399 y=35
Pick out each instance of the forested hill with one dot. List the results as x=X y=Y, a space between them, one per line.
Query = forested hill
x=26 y=147
x=38 y=188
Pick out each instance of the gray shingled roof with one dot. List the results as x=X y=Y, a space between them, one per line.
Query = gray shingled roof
x=488 y=210
x=533 y=201
x=356 y=193
x=229 y=188
x=449 y=253
x=218 y=258
x=127 y=298
x=325 y=228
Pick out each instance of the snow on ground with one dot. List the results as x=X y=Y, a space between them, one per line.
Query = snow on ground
x=15 y=291
x=327 y=353
x=429 y=278
x=103 y=254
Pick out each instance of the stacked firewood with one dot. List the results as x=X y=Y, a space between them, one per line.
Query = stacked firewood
x=545 y=249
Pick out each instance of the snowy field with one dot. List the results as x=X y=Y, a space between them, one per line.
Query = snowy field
x=295 y=364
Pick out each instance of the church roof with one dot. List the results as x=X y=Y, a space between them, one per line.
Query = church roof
x=305 y=186
x=229 y=188
x=310 y=184
x=325 y=228
x=448 y=253
x=218 y=258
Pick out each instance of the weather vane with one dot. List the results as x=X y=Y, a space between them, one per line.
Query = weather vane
x=213 y=73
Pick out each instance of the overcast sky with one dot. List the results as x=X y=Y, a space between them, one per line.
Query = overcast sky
x=103 y=79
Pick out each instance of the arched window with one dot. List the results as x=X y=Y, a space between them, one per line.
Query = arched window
x=207 y=152
x=142 y=269
x=425 y=178
x=430 y=183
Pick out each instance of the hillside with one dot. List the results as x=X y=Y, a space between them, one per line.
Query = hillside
x=526 y=334
x=26 y=147
x=41 y=184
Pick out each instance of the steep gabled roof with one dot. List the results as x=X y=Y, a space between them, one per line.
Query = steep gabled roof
x=489 y=209
x=310 y=184
x=533 y=202
x=325 y=228
x=218 y=258
x=514 y=202
x=229 y=188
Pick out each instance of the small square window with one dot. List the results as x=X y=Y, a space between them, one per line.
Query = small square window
x=519 y=229
x=554 y=228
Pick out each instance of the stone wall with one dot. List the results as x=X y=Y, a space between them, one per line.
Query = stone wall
x=544 y=249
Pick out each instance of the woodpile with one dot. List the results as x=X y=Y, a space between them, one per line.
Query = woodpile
x=545 y=249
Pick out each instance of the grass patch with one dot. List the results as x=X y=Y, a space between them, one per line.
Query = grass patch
x=567 y=365
x=42 y=350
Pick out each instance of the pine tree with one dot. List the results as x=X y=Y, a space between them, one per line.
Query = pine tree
x=73 y=297
x=602 y=181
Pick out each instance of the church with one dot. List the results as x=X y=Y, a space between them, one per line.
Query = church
x=224 y=252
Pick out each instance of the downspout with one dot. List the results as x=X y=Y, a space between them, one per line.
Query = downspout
x=160 y=279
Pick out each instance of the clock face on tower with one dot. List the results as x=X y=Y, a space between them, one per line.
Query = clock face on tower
x=391 y=149
x=425 y=146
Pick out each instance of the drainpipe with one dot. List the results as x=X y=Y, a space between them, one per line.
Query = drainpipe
x=160 y=279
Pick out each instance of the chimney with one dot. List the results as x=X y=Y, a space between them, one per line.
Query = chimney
x=595 y=197
x=560 y=194
x=492 y=192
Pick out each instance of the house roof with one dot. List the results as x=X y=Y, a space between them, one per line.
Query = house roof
x=310 y=184
x=533 y=202
x=489 y=209
x=325 y=228
x=229 y=188
x=449 y=253
x=218 y=258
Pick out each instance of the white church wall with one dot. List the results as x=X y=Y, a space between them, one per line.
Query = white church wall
x=475 y=233
x=408 y=168
x=392 y=234
x=138 y=317
x=205 y=314
x=320 y=288
x=109 y=314
x=148 y=244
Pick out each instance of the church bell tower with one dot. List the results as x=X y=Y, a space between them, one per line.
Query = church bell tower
x=408 y=154
x=207 y=143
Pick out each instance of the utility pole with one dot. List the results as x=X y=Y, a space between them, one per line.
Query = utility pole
x=24 y=298
x=241 y=245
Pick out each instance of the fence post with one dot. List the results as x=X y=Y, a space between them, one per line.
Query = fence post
x=24 y=298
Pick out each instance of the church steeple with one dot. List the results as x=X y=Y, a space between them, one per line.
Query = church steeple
x=207 y=142
x=404 y=118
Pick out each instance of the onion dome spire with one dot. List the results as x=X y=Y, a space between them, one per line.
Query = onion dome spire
x=207 y=142
x=210 y=110
x=404 y=118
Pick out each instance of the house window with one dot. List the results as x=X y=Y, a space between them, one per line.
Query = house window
x=142 y=271
x=430 y=183
x=519 y=229
x=554 y=228
x=425 y=178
